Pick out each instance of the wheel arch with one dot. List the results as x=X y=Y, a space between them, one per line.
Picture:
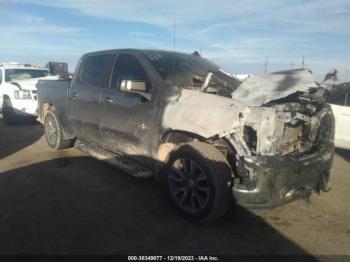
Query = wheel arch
x=172 y=138
x=6 y=96
x=44 y=108
x=180 y=136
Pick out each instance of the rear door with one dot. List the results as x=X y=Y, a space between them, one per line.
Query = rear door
x=128 y=119
x=84 y=95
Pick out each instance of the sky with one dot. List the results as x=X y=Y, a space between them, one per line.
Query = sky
x=239 y=35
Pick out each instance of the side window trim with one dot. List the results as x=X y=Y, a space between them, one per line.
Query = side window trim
x=81 y=69
x=116 y=55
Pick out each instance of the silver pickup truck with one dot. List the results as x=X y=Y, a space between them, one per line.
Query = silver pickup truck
x=211 y=140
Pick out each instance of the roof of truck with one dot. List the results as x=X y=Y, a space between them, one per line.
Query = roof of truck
x=13 y=65
x=134 y=50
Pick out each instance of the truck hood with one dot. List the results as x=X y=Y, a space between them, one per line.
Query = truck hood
x=261 y=89
x=30 y=84
x=203 y=114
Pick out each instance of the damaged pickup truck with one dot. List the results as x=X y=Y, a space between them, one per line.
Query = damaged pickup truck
x=212 y=140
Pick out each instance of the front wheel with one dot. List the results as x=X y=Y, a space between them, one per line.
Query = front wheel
x=54 y=133
x=198 y=181
x=8 y=113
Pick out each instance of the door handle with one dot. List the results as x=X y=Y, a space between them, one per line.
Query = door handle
x=74 y=95
x=143 y=126
x=108 y=100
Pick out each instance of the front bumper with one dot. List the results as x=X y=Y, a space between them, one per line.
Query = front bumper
x=275 y=180
x=24 y=107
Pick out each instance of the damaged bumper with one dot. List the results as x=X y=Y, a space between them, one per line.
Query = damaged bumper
x=275 y=180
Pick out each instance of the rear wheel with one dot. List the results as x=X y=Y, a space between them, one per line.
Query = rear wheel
x=54 y=133
x=198 y=181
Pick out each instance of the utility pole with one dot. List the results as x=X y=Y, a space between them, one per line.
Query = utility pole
x=174 y=35
x=303 y=62
x=266 y=64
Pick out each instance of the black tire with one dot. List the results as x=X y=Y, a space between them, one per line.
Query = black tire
x=53 y=132
x=207 y=188
x=8 y=113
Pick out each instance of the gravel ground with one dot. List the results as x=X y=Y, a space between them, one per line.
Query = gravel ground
x=69 y=203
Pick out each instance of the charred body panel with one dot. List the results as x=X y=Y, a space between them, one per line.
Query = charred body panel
x=193 y=112
x=259 y=90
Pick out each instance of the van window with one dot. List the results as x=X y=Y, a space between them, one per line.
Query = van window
x=23 y=74
x=96 y=70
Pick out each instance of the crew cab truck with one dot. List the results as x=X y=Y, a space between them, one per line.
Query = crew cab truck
x=172 y=115
x=18 y=96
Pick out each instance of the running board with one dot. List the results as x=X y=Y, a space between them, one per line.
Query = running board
x=131 y=167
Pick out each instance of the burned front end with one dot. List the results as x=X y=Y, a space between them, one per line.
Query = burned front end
x=275 y=130
x=285 y=150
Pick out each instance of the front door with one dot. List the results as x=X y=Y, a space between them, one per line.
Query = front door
x=128 y=119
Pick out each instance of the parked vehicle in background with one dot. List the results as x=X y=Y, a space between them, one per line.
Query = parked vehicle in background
x=18 y=92
x=172 y=115
x=340 y=102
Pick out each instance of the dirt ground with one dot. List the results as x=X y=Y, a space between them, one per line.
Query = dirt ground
x=69 y=203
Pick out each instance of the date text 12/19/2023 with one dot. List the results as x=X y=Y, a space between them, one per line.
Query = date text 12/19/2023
x=173 y=258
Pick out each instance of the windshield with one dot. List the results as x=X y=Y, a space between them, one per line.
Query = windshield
x=191 y=72
x=179 y=69
x=23 y=74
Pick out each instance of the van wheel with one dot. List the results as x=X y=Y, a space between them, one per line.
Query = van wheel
x=8 y=113
x=53 y=132
x=198 y=181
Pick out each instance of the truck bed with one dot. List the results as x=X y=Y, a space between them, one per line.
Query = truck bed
x=53 y=92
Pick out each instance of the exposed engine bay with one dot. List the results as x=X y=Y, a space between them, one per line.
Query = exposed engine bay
x=273 y=114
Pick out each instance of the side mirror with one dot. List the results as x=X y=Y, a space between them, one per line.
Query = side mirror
x=133 y=85
x=58 y=68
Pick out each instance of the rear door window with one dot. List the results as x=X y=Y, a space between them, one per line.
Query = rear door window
x=97 y=70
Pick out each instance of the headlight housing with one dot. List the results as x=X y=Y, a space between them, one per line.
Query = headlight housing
x=22 y=94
